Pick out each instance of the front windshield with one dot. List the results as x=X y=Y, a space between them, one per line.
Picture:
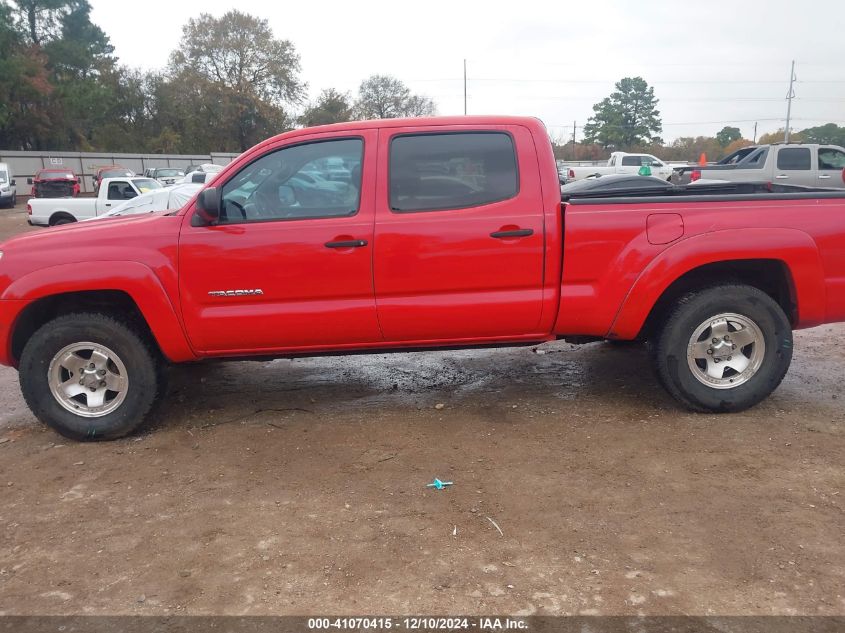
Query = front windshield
x=169 y=173
x=117 y=173
x=146 y=184
x=4 y=177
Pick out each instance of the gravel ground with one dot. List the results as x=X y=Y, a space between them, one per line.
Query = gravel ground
x=298 y=487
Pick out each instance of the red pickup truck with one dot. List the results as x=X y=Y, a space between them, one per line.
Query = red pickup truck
x=441 y=233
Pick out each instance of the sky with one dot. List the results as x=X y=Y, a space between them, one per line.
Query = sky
x=711 y=63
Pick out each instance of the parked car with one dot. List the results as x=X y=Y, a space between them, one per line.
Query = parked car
x=165 y=175
x=207 y=168
x=113 y=191
x=54 y=183
x=110 y=171
x=622 y=163
x=155 y=200
x=8 y=186
x=716 y=283
x=805 y=164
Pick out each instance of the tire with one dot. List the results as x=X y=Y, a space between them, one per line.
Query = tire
x=131 y=356
x=684 y=354
x=62 y=220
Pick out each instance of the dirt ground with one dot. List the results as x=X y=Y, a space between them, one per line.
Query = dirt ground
x=298 y=487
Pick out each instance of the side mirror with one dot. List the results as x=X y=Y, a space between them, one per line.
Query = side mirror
x=13 y=182
x=128 y=194
x=208 y=206
x=29 y=181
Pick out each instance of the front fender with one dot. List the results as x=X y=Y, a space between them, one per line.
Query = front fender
x=136 y=279
x=794 y=248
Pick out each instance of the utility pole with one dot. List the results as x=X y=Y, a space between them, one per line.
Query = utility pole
x=465 y=87
x=789 y=97
x=573 y=140
x=755 y=131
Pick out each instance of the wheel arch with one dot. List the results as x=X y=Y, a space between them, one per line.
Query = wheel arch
x=784 y=263
x=61 y=215
x=127 y=289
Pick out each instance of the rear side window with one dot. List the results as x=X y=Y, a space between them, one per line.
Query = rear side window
x=434 y=172
x=632 y=161
x=794 y=158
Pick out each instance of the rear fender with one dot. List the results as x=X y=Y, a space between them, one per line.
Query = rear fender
x=794 y=248
x=133 y=278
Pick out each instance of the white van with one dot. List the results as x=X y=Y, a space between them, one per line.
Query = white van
x=8 y=190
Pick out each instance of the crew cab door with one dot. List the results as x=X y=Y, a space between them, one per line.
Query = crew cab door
x=289 y=263
x=794 y=166
x=831 y=163
x=459 y=233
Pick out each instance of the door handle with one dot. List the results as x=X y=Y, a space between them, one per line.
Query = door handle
x=503 y=235
x=781 y=177
x=347 y=244
x=824 y=176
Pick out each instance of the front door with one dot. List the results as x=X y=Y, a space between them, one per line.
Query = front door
x=459 y=234
x=289 y=264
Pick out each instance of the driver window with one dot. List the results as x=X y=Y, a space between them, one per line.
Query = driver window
x=313 y=180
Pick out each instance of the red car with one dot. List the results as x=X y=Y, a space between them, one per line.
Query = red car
x=449 y=232
x=54 y=183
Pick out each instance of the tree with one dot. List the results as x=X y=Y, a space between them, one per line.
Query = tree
x=628 y=117
x=777 y=137
x=331 y=106
x=728 y=135
x=41 y=19
x=690 y=149
x=386 y=97
x=246 y=73
x=828 y=134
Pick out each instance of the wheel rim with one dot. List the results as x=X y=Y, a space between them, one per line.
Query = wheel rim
x=726 y=351
x=88 y=379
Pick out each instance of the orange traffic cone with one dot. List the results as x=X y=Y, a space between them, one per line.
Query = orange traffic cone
x=702 y=160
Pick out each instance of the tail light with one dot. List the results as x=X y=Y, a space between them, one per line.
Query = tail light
x=572 y=174
x=28 y=209
x=843 y=175
x=695 y=175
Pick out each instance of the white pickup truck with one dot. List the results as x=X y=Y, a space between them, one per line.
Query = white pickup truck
x=112 y=192
x=622 y=163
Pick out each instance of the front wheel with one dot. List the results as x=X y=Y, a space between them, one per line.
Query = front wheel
x=723 y=349
x=90 y=377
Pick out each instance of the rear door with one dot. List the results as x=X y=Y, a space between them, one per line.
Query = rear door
x=794 y=166
x=831 y=165
x=459 y=233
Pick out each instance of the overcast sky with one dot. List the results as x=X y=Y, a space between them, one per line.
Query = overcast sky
x=712 y=63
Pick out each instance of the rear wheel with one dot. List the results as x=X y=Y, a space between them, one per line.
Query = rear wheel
x=725 y=348
x=90 y=377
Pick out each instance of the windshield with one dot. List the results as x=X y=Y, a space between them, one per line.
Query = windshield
x=116 y=173
x=165 y=173
x=146 y=184
x=54 y=175
x=4 y=177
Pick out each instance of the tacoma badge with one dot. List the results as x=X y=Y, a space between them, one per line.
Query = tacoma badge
x=236 y=293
